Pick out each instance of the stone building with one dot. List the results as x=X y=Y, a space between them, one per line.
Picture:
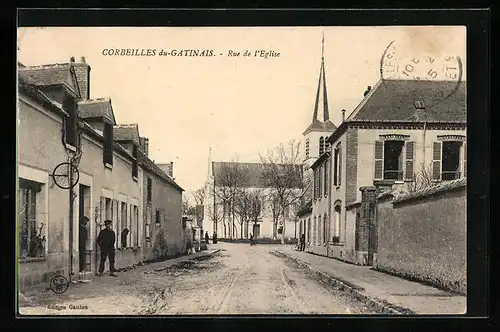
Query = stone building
x=400 y=134
x=60 y=125
x=218 y=218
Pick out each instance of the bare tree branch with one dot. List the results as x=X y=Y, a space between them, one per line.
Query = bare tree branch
x=283 y=175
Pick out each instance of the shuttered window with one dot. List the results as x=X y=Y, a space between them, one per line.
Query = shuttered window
x=339 y=175
x=108 y=144
x=379 y=160
x=325 y=178
x=320 y=178
x=409 y=164
x=436 y=161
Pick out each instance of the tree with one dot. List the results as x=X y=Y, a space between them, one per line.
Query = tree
x=199 y=196
x=249 y=208
x=422 y=179
x=283 y=175
x=230 y=180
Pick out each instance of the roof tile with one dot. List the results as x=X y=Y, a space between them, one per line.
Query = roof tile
x=394 y=100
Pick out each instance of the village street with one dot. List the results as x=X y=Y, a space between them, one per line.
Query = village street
x=236 y=279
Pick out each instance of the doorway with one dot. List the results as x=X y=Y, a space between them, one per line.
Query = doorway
x=84 y=210
x=256 y=231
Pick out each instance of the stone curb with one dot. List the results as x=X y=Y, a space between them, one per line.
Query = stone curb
x=357 y=292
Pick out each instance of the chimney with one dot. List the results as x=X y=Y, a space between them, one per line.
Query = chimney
x=72 y=59
x=146 y=146
x=82 y=71
x=367 y=90
x=171 y=169
x=343 y=115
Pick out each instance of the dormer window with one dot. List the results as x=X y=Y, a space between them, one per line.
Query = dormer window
x=108 y=144
x=135 y=170
x=71 y=122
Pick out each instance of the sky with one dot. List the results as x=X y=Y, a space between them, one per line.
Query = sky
x=239 y=106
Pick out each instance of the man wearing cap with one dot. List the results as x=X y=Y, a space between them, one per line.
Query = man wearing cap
x=106 y=242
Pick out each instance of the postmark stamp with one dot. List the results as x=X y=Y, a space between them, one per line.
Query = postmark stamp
x=398 y=63
x=59 y=284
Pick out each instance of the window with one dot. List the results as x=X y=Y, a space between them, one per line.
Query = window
x=309 y=230
x=157 y=217
x=135 y=169
x=320 y=176
x=307 y=148
x=108 y=209
x=286 y=211
x=32 y=238
x=150 y=190
x=148 y=222
x=108 y=143
x=136 y=228
x=325 y=177
x=336 y=224
x=318 y=242
x=393 y=160
x=71 y=122
x=451 y=160
x=321 y=145
x=315 y=182
x=337 y=166
x=125 y=230
x=314 y=231
x=325 y=237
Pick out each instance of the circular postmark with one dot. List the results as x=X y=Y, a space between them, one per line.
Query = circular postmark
x=59 y=284
x=398 y=63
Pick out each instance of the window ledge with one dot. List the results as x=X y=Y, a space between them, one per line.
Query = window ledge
x=70 y=147
x=108 y=165
x=339 y=244
x=32 y=259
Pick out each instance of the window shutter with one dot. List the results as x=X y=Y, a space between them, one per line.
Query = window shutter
x=436 y=161
x=379 y=160
x=465 y=160
x=410 y=151
x=326 y=178
x=340 y=166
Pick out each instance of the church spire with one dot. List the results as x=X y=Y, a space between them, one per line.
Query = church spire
x=321 y=93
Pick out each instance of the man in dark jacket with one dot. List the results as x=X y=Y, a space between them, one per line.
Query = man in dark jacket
x=106 y=241
x=82 y=241
x=207 y=238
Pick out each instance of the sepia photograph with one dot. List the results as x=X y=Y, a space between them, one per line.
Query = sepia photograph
x=314 y=170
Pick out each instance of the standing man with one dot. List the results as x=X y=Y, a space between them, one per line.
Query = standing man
x=82 y=241
x=106 y=241
x=207 y=238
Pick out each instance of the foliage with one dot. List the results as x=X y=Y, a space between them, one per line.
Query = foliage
x=283 y=175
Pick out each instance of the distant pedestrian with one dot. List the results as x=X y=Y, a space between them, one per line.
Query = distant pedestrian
x=207 y=238
x=302 y=242
x=251 y=239
x=106 y=241
x=82 y=242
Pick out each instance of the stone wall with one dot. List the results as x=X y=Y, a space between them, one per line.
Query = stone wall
x=422 y=235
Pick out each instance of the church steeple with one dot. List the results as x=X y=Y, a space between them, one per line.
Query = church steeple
x=321 y=92
x=321 y=115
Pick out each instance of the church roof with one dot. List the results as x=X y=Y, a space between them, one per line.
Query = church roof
x=395 y=100
x=254 y=173
x=317 y=125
